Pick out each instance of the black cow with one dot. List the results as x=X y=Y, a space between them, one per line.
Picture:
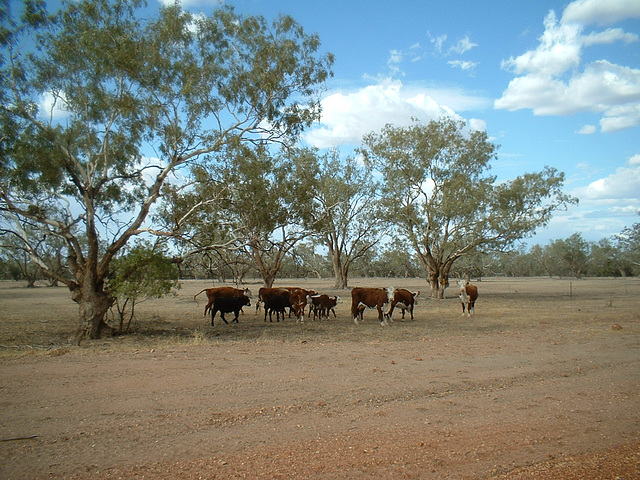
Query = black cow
x=228 y=305
x=277 y=301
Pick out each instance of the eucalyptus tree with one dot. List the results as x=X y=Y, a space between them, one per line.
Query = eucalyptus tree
x=569 y=256
x=628 y=241
x=262 y=207
x=545 y=259
x=607 y=260
x=136 y=100
x=443 y=202
x=347 y=214
x=19 y=260
x=270 y=202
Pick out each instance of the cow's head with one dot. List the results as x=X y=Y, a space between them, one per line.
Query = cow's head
x=390 y=293
x=246 y=301
x=463 y=290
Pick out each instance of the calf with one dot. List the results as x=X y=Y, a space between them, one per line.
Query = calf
x=213 y=293
x=362 y=297
x=299 y=298
x=468 y=296
x=228 y=305
x=322 y=305
x=404 y=300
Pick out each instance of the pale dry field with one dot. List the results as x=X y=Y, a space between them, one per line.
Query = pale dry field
x=536 y=385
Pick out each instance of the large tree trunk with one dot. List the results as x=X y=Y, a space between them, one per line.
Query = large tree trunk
x=93 y=306
x=436 y=288
x=342 y=280
x=438 y=281
x=340 y=272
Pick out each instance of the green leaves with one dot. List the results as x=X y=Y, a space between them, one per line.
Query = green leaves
x=139 y=98
x=144 y=272
x=438 y=193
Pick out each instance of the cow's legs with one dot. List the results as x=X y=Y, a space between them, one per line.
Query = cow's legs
x=381 y=316
x=390 y=312
x=355 y=311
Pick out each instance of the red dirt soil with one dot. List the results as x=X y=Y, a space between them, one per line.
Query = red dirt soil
x=536 y=385
x=498 y=406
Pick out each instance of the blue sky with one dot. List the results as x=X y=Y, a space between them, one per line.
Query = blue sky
x=553 y=83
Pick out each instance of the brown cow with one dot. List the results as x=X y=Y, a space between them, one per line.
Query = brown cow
x=363 y=297
x=404 y=300
x=322 y=305
x=215 y=292
x=300 y=298
x=468 y=296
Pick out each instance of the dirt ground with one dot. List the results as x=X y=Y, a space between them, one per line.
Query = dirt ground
x=537 y=385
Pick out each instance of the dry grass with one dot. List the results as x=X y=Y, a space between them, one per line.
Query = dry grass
x=44 y=319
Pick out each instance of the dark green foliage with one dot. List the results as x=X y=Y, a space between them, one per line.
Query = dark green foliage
x=144 y=272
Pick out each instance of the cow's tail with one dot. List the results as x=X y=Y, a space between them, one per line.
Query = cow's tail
x=194 y=297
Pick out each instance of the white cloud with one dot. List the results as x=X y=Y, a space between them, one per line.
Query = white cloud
x=438 y=42
x=550 y=81
x=559 y=51
x=609 y=36
x=465 y=65
x=620 y=118
x=462 y=46
x=394 y=61
x=623 y=184
x=600 y=12
x=477 y=124
x=52 y=107
x=346 y=117
x=587 y=130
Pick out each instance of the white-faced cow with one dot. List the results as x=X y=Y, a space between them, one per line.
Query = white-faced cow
x=367 y=297
x=404 y=300
x=215 y=292
x=228 y=305
x=322 y=305
x=468 y=296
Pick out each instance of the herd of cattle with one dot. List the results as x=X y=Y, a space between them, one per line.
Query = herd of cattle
x=302 y=302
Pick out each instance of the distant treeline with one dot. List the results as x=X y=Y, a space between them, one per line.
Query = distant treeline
x=571 y=257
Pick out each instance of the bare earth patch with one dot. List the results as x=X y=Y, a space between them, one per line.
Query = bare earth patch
x=537 y=385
